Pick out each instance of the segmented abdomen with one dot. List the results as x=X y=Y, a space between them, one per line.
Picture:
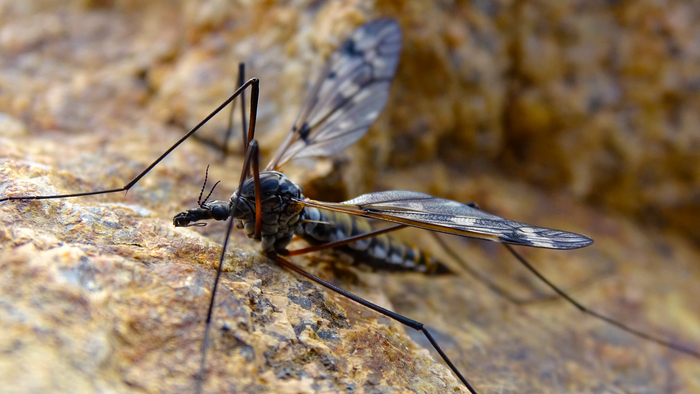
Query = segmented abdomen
x=382 y=252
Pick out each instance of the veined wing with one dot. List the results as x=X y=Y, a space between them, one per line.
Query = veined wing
x=438 y=214
x=349 y=95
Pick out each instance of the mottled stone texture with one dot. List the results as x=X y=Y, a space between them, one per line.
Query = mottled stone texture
x=579 y=115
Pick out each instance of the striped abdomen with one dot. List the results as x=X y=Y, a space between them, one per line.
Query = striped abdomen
x=382 y=252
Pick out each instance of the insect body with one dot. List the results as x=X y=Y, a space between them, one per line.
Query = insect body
x=342 y=105
x=345 y=101
x=283 y=216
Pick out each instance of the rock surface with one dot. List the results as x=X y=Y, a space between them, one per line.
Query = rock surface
x=102 y=294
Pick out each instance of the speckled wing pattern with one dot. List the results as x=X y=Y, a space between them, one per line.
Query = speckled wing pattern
x=349 y=95
x=439 y=214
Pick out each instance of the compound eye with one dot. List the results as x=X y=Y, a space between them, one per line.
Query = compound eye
x=219 y=213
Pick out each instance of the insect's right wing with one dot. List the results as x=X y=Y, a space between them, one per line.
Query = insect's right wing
x=439 y=214
x=349 y=95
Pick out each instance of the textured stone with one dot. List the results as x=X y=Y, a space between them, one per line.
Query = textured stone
x=102 y=294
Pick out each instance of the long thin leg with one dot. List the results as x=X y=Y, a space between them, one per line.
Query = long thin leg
x=251 y=157
x=252 y=160
x=597 y=315
x=392 y=315
x=249 y=136
x=345 y=241
x=241 y=80
x=244 y=126
x=254 y=82
x=255 y=160
x=467 y=267
x=499 y=290
x=478 y=276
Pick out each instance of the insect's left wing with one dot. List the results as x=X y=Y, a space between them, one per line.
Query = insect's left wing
x=438 y=214
x=349 y=95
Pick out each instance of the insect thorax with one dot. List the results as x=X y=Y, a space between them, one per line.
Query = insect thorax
x=282 y=217
x=280 y=213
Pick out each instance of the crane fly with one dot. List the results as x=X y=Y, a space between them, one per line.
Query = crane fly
x=347 y=98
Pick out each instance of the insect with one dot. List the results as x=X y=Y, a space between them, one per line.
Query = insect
x=307 y=138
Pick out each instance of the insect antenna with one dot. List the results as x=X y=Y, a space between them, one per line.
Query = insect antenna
x=204 y=185
x=199 y=200
x=210 y=192
x=253 y=82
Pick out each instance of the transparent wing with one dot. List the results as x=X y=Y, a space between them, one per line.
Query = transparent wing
x=349 y=95
x=438 y=214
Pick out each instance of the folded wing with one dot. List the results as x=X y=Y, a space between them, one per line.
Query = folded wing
x=439 y=214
